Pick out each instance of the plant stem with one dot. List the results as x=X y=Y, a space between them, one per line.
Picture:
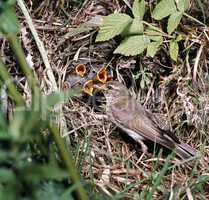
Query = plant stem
x=194 y=19
x=157 y=29
x=16 y=96
x=31 y=78
x=68 y=160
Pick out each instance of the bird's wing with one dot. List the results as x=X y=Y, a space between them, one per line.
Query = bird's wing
x=134 y=117
x=159 y=125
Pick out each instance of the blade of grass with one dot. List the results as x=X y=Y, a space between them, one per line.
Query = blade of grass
x=32 y=80
x=16 y=96
x=68 y=160
x=160 y=176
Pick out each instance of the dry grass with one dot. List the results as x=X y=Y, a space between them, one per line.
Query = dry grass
x=107 y=158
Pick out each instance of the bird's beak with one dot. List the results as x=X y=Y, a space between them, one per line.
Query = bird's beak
x=80 y=70
x=102 y=75
x=88 y=87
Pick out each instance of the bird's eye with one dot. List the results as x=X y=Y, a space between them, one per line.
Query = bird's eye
x=109 y=87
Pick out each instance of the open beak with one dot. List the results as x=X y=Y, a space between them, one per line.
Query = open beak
x=102 y=75
x=88 y=87
x=80 y=70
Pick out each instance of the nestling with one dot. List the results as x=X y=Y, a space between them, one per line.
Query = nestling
x=139 y=123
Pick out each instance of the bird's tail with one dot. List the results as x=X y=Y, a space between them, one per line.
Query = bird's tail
x=185 y=151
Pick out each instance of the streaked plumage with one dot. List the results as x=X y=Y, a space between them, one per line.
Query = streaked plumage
x=139 y=123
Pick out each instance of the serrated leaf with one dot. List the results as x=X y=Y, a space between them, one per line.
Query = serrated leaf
x=138 y=8
x=174 y=49
x=163 y=9
x=154 y=35
x=133 y=45
x=135 y=28
x=173 y=21
x=153 y=48
x=113 y=25
x=182 y=5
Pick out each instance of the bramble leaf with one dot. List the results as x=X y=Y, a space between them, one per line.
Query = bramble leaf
x=174 y=49
x=182 y=5
x=153 y=47
x=113 y=25
x=173 y=21
x=133 y=45
x=163 y=9
x=138 y=8
x=135 y=28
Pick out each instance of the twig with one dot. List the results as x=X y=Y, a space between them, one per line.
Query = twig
x=39 y=44
x=194 y=19
x=49 y=72
x=196 y=63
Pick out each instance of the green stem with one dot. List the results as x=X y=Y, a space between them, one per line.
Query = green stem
x=5 y=76
x=157 y=29
x=194 y=19
x=32 y=80
x=68 y=160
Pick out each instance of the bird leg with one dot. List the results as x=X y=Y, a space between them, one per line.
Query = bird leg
x=144 y=150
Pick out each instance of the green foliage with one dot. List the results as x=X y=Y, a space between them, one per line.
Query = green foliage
x=138 y=9
x=133 y=45
x=173 y=21
x=29 y=158
x=33 y=156
x=163 y=9
x=153 y=47
x=173 y=49
x=144 y=76
x=9 y=23
x=113 y=25
x=138 y=34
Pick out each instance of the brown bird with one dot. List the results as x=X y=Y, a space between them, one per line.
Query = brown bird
x=139 y=123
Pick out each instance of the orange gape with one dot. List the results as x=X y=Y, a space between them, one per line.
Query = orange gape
x=102 y=77
x=80 y=70
x=88 y=87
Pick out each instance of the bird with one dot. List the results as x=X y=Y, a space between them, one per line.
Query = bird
x=139 y=123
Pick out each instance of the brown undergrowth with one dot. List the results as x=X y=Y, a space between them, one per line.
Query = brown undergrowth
x=107 y=158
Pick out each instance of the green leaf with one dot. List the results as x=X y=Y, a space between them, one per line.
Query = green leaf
x=57 y=97
x=133 y=45
x=179 y=38
x=138 y=8
x=142 y=83
x=112 y=25
x=163 y=9
x=6 y=4
x=38 y=172
x=182 y=5
x=135 y=28
x=174 y=21
x=93 y=23
x=153 y=47
x=153 y=34
x=174 y=49
x=9 y=23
